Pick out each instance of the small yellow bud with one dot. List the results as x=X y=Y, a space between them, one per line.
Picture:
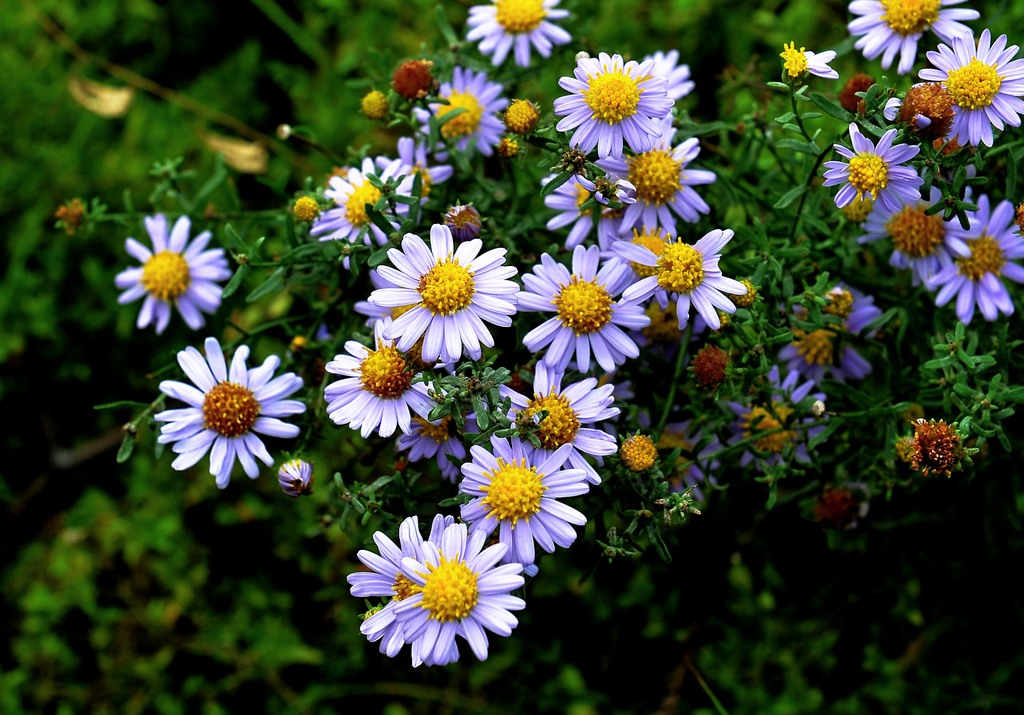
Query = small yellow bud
x=375 y=105
x=508 y=147
x=638 y=453
x=521 y=116
x=306 y=209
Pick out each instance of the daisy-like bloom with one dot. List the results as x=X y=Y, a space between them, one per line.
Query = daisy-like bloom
x=569 y=410
x=666 y=64
x=452 y=291
x=480 y=123
x=435 y=439
x=663 y=178
x=874 y=170
x=458 y=590
x=376 y=390
x=516 y=491
x=813 y=354
x=587 y=318
x=922 y=243
x=413 y=159
x=505 y=25
x=887 y=27
x=226 y=410
x=985 y=85
x=797 y=63
x=688 y=274
x=386 y=580
x=778 y=417
x=176 y=272
x=567 y=200
x=296 y=478
x=993 y=241
x=351 y=194
x=611 y=102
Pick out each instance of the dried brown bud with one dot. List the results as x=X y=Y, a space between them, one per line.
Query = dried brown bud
x=848 y=96
x=937 y=448
x=70 y=216
x=838 y=508
x=1020 y=218
x=929 y=100
x=413 y=79
x=709 y=366
x=573 y=160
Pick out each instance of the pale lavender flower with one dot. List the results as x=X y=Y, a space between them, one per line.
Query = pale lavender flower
x=516 y=25
x=480 y=123
x=797 y=63
x=413 y=158
x=666 y=64
x=296 y=477
x=567 y=200
x=874 y=170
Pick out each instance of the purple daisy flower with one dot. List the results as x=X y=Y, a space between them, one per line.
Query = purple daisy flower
x=413 y=158
x=689 y=274
x=986 y=87
x=567 y=200
x=922 y=243
x=452 y=291
x=664 y=181
x=610 y=102
x=176 y=272
x=386 y=580
x=377 y=389
x=226 y=410
x=480 y=123
x=505 y=25
x=666 y=64
x=887 y=27
x=774 y=417
x=296 y=477
x=874 y=170
x=516 y=491
x=587 y=318
x=994 y=241
x=459 y=590
x=813 y=354
x=568 y=410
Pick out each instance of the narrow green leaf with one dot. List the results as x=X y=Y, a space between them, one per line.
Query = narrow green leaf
x=830 y=108
x=790 y=196
x=273 y=283
x=556 y=181
x=235 y=282
x=126 y=449
x=378 y=257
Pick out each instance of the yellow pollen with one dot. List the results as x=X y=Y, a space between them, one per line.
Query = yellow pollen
x=583 y=306
x=761 y=420
x=986 y=257
x=664 y=327
x=166 y=276
x=559 y=427
x=907 y=17
x=638 y=453
x=582 y=194
x=383 y=372
x=868 y=174
x=914 y=234
x=612 y=97
x=859 y=209
x=514 y=491
x=398 y=311
x=305 y=209
x=655 y=175
x=521 y=116
x=439 y=432
x=655 y=242
x=974 y=85
x=465 y=123
x=840 y=303
x=680 y=268
x=447 y=288
x=450 y=591
x=355 y=207
x=519 y=16
x=814 y=347
x=404 y=588
x=230 y=409
x=794 y=61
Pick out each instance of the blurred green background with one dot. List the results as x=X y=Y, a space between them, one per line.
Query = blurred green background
x=135 y=589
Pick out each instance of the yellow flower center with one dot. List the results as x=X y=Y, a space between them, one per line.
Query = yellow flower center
x=655 y=175
x=583 y=306
x=450 y=591
x=680 y=268
x=424 y=179
x=166 y=275
x=439 y=432
x=986 y=257
x=794 y=61
x=305 y=209
x=383 y=372
x=518 y=16
x=514 y=491
x=664 y=327
x=840 y=303
x=907 y=17
x=559 y=427
x=868 y=174
x=462 y=124
x=447 y=288
x=355 y=207
x=230 y=409
x=915 y=234
x=974 y=85
x=638 y=453
x=674 y=440
x=404 y=588
x=655 y=242
x=374 y=104
x=521 y=116
x=814 y=347
x=612 y=97
x=859 y=209
x=761 y=420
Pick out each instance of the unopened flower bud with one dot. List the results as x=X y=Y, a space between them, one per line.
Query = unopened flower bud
x=464 y=222
x=860 y=82
x=70 y=216
x=747 y=299
x=306 y=209
x=638 y=453
x=839 y=508
x=508 y=147
x=937 y=448
x=413 y=79
x=521 y=116
x=709 y=366
x=296 y=478
x=374 y=104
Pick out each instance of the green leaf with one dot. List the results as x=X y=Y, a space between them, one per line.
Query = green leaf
x=790 y=196
x=236 y=281
x=378 y=257
x=126 y=449
x=800 y=146
x=558 y=179
x=831 y=108
x=458 y=500
x=121 y=403
x=833 y=424
x=273 y=283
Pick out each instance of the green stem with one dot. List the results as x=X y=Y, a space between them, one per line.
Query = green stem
x=684 y=342
x=803 y=198
x=719 y=708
